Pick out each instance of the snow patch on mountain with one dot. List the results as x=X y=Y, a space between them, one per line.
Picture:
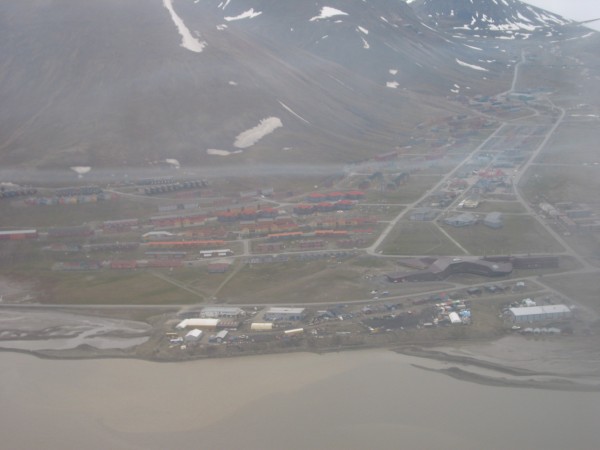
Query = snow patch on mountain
x=188 y=41
x=250 y=14
x=250 y=137
x=291 y=111
x=327 y=12
x=471 y=66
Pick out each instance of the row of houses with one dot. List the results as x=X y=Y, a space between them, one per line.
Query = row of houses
x=246 y=214
x=317 y=197
x=184 y=244
x=307 y=209
x=71 y=200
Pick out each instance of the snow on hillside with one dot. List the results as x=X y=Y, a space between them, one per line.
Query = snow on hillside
x=250 y=137
x=471 y=66
x=188 y=41
x=504 y=17
x=250 y=14
x=327 y=12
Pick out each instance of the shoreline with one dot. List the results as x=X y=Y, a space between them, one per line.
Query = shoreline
x=508 y=376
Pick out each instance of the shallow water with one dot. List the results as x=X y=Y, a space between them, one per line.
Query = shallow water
x=351 y=400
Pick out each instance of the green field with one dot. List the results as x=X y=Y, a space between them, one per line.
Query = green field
x=17 y=215
x=520 y=234
x=406 y=193
x=296 y=282
x=111 y=288
x=418 y=238
x=581 y=288
x=562 y=183
x=500 y=206
x=573 y=143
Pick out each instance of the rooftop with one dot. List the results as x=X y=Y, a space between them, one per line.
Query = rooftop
x=535 y=310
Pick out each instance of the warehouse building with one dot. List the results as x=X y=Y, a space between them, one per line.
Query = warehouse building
x=540 y=313
x=261 y=326
x=210 y=324
x=276 y=313
x=221 y=311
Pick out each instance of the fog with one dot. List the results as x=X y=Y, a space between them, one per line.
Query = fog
x=579 y=10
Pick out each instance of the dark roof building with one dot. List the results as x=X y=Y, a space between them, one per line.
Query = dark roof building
x=442 y=268
x=462 y=220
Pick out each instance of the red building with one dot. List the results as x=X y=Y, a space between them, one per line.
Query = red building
x=16 y=235
x=123 y=265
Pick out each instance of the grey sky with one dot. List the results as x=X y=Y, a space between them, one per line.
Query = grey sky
x=572 y=9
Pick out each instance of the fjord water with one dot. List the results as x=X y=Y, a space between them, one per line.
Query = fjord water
x=352 y=400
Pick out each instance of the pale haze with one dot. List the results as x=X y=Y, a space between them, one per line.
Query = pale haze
x=572 y=9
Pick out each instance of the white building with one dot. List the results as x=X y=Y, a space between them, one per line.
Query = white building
x=261 y=326
x=198 y=323
x=540 y=313
x=193 y=335
x=454 y=318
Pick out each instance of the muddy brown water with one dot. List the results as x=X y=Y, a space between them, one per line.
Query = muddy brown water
x=353 y=400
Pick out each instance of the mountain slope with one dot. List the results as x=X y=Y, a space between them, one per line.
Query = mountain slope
x=107 y=83
x=505 y=19
x=127 y=84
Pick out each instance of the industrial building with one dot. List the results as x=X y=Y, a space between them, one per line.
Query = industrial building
x=462 y=220
x=276 y=313
x=261 y=326
x=442 y=268
x=221 y=311
x=539 y=313
x=215 y=253
x=198 y=323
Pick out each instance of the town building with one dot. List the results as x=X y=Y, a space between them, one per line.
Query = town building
x=540 y=313
x=442 y=268
x=210 y=324
x=221 y=311
x=193 y=336
x=462 y=220
x=278 y=313
x=15 y=235
x=261 y=326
